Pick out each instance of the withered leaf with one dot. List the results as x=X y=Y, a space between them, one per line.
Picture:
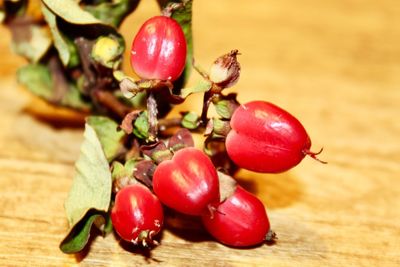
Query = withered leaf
x=127 y=122
x=66 y=49
x=90 y=194
x=71 y=12
x=181 y=139
x=144 y=171
x=29 y=40
x=158 y=152
x=112 y=12
x=107 y=132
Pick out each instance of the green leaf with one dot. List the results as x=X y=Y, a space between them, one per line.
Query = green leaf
x=74 y=59
x=226 y=105
x=122 y=175
x=190 y=120
x=37 y=78
x=222 y=109
x=141 y=126
x=109 y=136
x=66 y=48
x=225 y=108
x=200 y=87
x=91 y=187
x=117 y=170
x=104 y=223
x=107 y=227
x=71 y=12
x=74 y=99
x=130 y=165
x=30 y=41
x=79 y=235
x=221 y=127
x=112 y=12
x=137 y=102
x=90 y=194
x=120 y=170
x=184 y=17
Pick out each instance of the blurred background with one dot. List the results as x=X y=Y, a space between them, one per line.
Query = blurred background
x=334 y=64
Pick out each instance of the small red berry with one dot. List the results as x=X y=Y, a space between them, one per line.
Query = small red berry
x=188 y=182
x=159 y=49
x=137 y=215
x=240 y=221
x=266 y=138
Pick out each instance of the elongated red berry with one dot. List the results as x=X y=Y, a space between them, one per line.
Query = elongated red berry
x=266 y=138
x=240 y=221
x=188 y=182
x=159 y=49
x=137 y=215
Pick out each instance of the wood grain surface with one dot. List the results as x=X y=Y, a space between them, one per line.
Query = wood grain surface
x=335 y=64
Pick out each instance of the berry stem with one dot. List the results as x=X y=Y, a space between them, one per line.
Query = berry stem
x=271 y=237
x=84 y=49
x=200 y=70
x=314 y=155
x=209 y=96
x=108 y=100
x=207 y=99
x=172 y=7
x=152 y=116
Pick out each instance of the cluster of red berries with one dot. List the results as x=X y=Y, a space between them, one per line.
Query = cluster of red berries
x=263 y=138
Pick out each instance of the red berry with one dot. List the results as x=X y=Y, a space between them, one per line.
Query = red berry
x=266 y=138
x=137 y=215
x=159 y=49
x=188 y=182
x=240 y=221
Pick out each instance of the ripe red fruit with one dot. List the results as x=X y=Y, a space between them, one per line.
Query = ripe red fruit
x=266 y=138
x=137 y=215
x=240 y=221
x=188 y=182
x=159 y=49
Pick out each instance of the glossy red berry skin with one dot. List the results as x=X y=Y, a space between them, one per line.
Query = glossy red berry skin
x=240 y=221
x=159 y=49
x=187 y=183
x=266 y=138
x=137 y=215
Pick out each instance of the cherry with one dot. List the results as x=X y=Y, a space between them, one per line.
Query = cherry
x=266 y=138
x=137 y=215
x=187 y=183
x=159 y=49
x=239 y=221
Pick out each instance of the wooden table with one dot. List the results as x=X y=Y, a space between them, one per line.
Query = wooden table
x=335 y=64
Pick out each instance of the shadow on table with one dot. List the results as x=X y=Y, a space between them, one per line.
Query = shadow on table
x=56 y=117
x=274 y=190
x=185 y=227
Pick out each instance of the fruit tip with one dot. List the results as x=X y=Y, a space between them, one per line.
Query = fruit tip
x=314 y=155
